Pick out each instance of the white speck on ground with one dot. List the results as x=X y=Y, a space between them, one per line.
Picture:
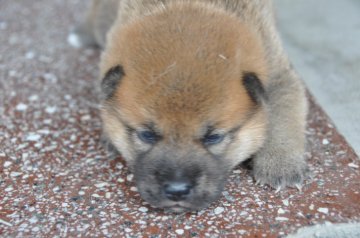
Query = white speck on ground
x=281 y=219
x=325 y=142
x=21 y=107
x=179 y=231
x=33 y=137
x=51 y=110
x=143 y=209
x=3 y=25
x=33 y=98
x=50 y=77
x=56 y=189
x=130 y=177
x=86 y=118
x=244 y=213
x=285 y=202
x=7 y=164
x=15 y=174
x=74 y=40
x=101 y=185
x=5 y=223
x=44 y=132
x=323 y=210
x=134 y=189
x=352 y=165
x=219 y=210
x=30 y=55
x=13 y=73
x=33 y=220
x=9 y=189
x=281 y=211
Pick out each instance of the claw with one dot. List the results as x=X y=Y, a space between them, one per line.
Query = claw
x=257 y=182
x=299 y=187
x=278 y=189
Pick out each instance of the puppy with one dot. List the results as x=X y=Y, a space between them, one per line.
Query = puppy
x=192 y=89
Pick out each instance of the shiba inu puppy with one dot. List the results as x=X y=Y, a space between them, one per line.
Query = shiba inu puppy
x=192 y=89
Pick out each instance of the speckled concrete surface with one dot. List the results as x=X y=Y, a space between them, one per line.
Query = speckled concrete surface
x=56 y=181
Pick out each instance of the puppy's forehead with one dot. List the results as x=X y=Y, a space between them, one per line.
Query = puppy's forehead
x=185 y=102
x=186 y=73
x=179 y=32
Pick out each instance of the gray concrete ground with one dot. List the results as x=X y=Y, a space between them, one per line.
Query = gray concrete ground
x=322 y=38
x=329 y=230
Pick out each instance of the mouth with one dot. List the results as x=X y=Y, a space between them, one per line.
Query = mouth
x=166 y=205
x=177 y=209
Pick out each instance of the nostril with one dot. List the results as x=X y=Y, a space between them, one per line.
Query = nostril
x=177 y=191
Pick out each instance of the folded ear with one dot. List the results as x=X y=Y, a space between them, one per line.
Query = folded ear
x=111 y=81
x=254 y=87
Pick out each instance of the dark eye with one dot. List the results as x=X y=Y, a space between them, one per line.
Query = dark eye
x=148 y=137
x=213 y=139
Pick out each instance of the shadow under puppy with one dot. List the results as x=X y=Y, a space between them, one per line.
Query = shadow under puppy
x=192 y=89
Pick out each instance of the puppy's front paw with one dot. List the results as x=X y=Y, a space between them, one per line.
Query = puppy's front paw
x=280 y=173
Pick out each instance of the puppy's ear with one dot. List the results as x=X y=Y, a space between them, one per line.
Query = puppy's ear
x=254 y=87
x=111 y=81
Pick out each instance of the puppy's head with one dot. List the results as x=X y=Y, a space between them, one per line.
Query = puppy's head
x=183 y=101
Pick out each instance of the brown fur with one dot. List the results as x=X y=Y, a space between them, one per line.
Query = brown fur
x=184 y=62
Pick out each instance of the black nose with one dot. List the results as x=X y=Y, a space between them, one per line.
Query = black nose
x=177 y=191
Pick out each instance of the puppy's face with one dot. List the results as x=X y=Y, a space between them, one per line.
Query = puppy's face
x=184 y=102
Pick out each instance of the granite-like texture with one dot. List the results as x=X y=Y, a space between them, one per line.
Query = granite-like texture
x=56 y=181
